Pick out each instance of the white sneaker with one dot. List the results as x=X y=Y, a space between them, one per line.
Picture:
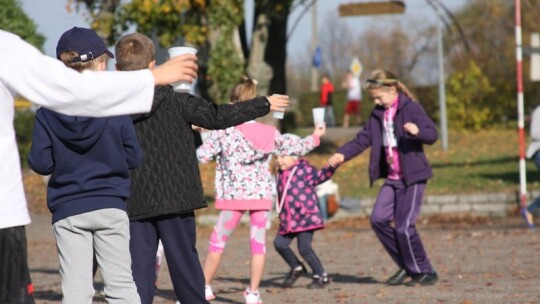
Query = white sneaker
x=209 y=294
x=252 y=297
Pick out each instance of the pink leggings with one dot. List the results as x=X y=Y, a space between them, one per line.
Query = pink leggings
x=227 y=222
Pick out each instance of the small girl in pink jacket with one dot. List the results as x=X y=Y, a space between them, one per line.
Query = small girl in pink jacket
x=299 y=216
x=244 y=184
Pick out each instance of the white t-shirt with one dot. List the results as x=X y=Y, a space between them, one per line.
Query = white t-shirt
x=535 y=133
x=46 y=81
x=354 y=91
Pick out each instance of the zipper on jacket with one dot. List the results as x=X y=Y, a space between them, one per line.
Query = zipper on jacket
x=400 y=154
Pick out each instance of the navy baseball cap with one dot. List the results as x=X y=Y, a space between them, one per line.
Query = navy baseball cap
x=84 y=41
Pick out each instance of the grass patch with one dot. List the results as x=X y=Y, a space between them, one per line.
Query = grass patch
x=484 y=161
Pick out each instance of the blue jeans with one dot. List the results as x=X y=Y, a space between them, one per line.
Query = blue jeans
x=536 y=203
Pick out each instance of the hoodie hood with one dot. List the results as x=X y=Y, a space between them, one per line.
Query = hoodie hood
x=259 y=135
x=75 y=132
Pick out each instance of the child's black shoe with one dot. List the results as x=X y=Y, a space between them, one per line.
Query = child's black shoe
x=319 y=282
x=399 y=277
x=293 y=275
x=424 y=279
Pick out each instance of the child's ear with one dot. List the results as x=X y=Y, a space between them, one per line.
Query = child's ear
x=152 y=64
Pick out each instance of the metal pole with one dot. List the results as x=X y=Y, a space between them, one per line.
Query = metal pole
x=314 y=69
x=520 y=109
x=442 y=89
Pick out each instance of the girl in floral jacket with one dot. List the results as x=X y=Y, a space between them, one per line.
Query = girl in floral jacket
x=244 y=183
x=300 y=216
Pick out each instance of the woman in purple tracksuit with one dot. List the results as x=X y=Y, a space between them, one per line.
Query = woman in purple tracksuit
x=396 y=131
x=299 y=216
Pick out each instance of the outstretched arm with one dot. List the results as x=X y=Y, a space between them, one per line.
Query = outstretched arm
x=48 y=82
x=209 y=115
x=316 y=177
x=210 y=146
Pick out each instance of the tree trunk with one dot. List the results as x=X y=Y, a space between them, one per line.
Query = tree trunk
x=257 y=67
x=276 y=50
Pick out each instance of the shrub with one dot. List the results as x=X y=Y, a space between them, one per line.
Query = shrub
x=467 y=102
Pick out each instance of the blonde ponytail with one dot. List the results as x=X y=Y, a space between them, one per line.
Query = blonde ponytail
x=244 y=90
x=381 y=79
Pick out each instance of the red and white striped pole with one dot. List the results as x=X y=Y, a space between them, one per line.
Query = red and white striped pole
x=520 y=109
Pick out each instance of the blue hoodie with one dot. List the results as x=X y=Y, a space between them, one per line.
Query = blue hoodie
x=88 y=158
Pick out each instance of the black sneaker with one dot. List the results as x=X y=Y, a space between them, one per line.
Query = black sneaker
x=424 y=279
x=319 y=282
x=293 y=275
x=398 y=278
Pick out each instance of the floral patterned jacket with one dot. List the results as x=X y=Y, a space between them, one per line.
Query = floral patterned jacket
x=300 y=207
x=243 y=153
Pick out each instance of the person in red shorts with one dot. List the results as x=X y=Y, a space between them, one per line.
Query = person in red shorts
x=354 y=99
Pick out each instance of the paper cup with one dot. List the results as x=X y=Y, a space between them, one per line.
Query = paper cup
x=318 y=116
x=182 y=86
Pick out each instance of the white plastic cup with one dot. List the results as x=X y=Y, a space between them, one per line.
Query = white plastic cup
x=182 y=86
x=278 y=114
x=318 y=116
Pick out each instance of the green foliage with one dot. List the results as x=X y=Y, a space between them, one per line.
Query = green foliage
x=468 y=107
x=168 y=19
x=14 y=19
x=24 y=128
x=490 y=31
x=225 y=66
x=188 y=21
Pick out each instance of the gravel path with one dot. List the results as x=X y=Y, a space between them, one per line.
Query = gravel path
x=478 y=261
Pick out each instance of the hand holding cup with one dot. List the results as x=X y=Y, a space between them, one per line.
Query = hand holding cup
x=181 y=68
x=320 y=129
x=182 y=86
x=278 y=104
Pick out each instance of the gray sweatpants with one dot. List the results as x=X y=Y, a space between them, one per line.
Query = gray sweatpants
x=106 y=232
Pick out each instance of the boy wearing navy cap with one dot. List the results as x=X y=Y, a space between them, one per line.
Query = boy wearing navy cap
x=89 y=161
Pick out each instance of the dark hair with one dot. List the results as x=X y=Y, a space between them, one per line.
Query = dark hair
x=134 y=52
x=244 y=90
x=381 y=79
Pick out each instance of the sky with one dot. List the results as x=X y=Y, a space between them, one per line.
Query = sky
x=53 y=19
